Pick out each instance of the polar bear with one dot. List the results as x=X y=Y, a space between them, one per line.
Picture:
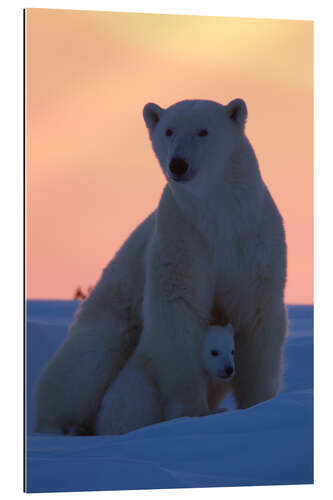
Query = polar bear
x=132 y=401
x=212 y=252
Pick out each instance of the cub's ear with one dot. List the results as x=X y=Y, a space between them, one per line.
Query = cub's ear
x=152 y=114
x=230 y=328
x=237 y=111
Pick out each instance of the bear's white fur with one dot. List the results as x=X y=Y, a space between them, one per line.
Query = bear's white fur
x=132 y=401
x=213 y=251
x=218 y=351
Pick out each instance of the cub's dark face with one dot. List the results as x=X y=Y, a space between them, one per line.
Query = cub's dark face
x=218 y=352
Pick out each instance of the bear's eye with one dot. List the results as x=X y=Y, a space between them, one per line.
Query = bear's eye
x=214 y=352
x=203 y=132
x=168 y=132
x=232 y=352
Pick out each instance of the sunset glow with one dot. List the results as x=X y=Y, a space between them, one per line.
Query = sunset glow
x=90 y=171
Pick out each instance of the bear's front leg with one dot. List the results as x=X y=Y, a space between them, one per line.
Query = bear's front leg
x=171 y=346
x=176 y=312
x=259 y=356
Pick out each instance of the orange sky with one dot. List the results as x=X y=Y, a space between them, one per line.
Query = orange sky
x=90 y=172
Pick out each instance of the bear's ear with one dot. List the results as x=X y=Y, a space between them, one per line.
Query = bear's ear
x=152 y=114
x=237 y=111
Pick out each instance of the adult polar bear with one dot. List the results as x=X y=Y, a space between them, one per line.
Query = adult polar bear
x=213 y=249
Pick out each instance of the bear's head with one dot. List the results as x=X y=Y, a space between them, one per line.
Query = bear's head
x=194 y=140
x=218 y=352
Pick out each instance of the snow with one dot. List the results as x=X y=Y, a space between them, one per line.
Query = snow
x=268 y=444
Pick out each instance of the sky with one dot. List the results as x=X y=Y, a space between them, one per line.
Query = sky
x=91 y=176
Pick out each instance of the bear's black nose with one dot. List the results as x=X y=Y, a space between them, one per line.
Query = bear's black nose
x=229 y=370
x=178 y=167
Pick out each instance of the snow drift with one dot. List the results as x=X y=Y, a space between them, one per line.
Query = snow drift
x=268 y=444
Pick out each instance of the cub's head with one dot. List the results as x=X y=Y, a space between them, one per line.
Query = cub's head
x=218 y=352
x=193 y=140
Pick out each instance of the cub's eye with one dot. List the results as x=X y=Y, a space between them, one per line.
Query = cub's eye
x=203 y=133
x=232 y=352
x=214 y=353
x=168 y=132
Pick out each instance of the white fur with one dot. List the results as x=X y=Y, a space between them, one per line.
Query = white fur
x=132 y=401
x=214 y=247
x=218 y=352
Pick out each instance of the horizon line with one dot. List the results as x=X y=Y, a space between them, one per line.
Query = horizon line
x=79 y=300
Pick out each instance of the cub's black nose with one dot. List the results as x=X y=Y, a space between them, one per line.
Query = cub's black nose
x=229 y=370
x=178 y=167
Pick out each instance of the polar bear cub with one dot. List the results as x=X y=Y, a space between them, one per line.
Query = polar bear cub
x=133 y=401
x=218 y=351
